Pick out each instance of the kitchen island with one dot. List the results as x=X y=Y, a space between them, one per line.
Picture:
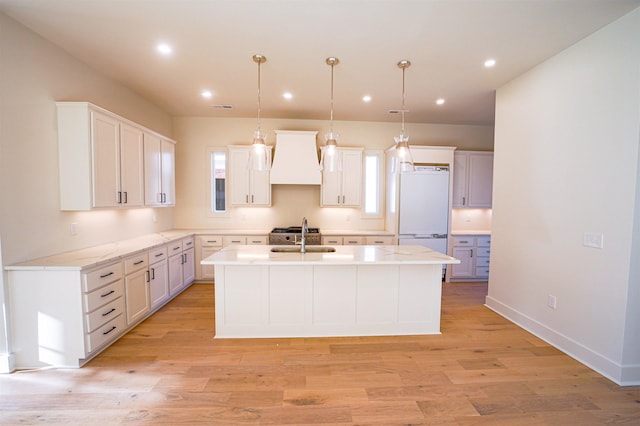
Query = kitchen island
x=353 y=291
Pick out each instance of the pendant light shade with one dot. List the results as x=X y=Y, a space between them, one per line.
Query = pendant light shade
x=404 y=160
x=330 y=159
x=259 y=157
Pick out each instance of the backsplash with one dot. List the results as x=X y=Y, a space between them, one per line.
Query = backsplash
x=471 y=219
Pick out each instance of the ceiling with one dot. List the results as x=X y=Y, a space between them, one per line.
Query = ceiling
x=213 y=42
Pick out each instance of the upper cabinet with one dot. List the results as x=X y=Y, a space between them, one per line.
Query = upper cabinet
x=472 y=179
x=344 y=188
x=101 y=158
x=248 y=187
x=159 y=171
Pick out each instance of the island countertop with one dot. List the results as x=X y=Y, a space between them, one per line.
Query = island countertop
x=343 y=255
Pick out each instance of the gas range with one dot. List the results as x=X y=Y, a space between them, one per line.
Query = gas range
x=293 y=234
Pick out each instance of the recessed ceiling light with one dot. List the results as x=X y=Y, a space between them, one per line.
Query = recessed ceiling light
x=366 y=98
x=164 y=49
x=440 y=101
x=489 y=63
x=287 y=95
x=206 y=94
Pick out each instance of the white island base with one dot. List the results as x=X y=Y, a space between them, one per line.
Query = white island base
x=356 y=291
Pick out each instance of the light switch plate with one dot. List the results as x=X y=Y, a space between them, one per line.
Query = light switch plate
x=593 y=240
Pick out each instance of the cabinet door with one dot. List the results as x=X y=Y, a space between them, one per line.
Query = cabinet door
x=168 y=173
x=331 y=190
x=175 y=273
x=207 y=272
x=480 y=181
x=136 y=288
x=158 y=283
x=239 y=176
x=106 y=160
x=465 y=268
x=351 y=178
x=459 y=190
x=260 y=188
x=131 y=166
x=152 y=170
x=188 y=267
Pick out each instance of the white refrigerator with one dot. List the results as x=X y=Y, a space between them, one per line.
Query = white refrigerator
x=423 y=211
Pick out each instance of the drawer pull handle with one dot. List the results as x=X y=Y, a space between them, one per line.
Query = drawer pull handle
x=159 y=254
x=109 y=312
x=110 y=330
x=138 y=262
x=107 y=293
x=106 y=275
x=378 y=242
x=176 y=248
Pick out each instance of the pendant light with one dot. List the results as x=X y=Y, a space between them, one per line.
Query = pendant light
x=330 y=158
x=259 y=157
x=404 y=161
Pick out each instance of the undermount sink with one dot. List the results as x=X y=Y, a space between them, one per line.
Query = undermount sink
x=297 y=249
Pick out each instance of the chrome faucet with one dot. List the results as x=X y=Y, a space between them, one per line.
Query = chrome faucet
x=303 y=241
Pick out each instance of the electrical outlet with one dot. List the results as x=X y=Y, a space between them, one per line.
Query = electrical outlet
x=551 y=301
x=590 y=239
x=73 y=228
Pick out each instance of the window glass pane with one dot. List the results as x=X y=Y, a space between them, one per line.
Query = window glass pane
x=218 y=180
x=372 y=184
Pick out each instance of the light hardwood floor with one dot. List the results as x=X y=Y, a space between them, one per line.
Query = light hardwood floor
x=482 y=370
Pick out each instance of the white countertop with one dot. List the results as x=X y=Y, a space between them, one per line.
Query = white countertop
x=95 y=256
x=344 y=255
x=471 y=232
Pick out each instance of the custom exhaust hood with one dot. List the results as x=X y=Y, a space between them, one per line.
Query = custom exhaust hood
x=295 y=160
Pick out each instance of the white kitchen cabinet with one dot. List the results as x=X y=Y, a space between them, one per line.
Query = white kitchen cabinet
x=63 y=314
x=379 y=240
x=332 y=240
x=247 y=187
x=136 y=287
x=159 y=171
x=351 y=240
x=206 y=245
x=101 y=158
x=472 y=179
x=158 y=276
x=344 y=188
x=181 y=264
x=473 y=251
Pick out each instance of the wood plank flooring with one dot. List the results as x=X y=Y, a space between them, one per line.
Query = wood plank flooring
x=482 y=370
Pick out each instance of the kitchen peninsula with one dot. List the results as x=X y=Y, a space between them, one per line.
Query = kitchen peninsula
x=353 y=291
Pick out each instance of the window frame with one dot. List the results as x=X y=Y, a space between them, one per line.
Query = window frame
x=379 y=184
x=211 y=151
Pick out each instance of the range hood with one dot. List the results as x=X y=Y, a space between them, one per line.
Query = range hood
x=295 y=160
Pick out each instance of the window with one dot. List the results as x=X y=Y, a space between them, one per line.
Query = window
x=218 y=168
x=372 y=183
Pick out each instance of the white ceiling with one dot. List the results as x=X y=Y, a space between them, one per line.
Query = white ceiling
x=446 y=41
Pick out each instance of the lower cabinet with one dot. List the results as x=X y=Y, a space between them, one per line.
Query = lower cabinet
x=473 y=251
x=181 y=265
x=63 y=316
x=358 y=240
x=206 y=245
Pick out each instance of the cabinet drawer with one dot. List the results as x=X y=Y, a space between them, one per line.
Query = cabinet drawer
x=482 y=261
x=256 y=240
x=232 y=241
x=158 y=254
x=105 y=334
x=135 y=263
x=465 y=241
x=187 y=243
x=483 y=251
x=482 y=271
x=352 y=240
x=99 y=277
x=484 y=241
x=103 y=295
x=174 y=247
x=103 y=314
x=382 y=240
x=331 y=240
x=210 y=241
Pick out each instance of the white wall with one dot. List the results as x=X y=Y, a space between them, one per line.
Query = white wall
x=33 y=75
x=566 y=163
x=292 y=202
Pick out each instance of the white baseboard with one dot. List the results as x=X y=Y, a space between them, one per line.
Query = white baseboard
x=7 y=363
x=623 y=375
